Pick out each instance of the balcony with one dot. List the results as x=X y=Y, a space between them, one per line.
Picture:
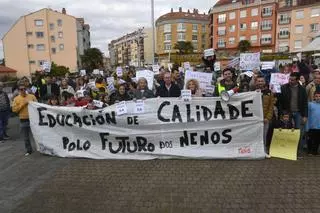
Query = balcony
x=266 y=27
x=284 y=21
x=221 y=21
x=222 y=32
x=265 y=42
x=284 y=35
x=284 y=49
x=266 y=14
x=221 y=44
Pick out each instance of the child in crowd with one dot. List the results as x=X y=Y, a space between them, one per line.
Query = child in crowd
x=53 y=101
x=67 y=99
x=286 y=121
x=313 y=125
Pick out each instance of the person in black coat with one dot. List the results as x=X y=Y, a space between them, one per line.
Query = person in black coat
x=168 y=89
x=49 y=89
x=142 y=91
x=120 y=95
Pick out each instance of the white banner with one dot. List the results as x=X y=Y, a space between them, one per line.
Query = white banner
x=208 y=52
x=203 y=78
x=169 y=128
x=249 y=61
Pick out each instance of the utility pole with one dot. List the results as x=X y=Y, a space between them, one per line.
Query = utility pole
x=153 y=36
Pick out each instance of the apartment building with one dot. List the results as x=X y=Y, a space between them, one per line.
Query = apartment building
x=131 y=49
x=43 y=36
x=298 y=24
x=232 y=21
x=182 y=26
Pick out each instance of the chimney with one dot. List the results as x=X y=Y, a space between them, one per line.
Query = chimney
x=180 y=9
x=171 y=10
x=64 y=11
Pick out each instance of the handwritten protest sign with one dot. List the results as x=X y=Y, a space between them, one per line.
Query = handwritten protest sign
x=186 y=65
x=147 y=74
x=277 y=80
x=46 y=66
x=96 y=72
x=168 y=128
x=285 y=144
x=217 y=66
x=203 y=78
x=267 y=65
x=110 y=80
x=186 y=95
x=139 y=107
x=83 y=72
x=249 y=61
x=119 y=71
x=156 y=69
x=208 y=52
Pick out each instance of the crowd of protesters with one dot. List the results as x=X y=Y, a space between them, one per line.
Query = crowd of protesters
x=296 y=107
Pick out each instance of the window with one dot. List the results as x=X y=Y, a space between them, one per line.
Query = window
x=221 y=43
x=284 y=32
x=194 y=38
x=284 y=19
x=51 y=26
x=167 y=28
x=32 y=62
x=266 y=39
x=253 y=39
x=30 y=46
x=167 y=47
x=204 y=28
x=59 y=22
x=181 y=27
x=232 y=15
x=266 y=25
x=53 y=50
x=267 y=11
x=195 y=45
x=254 y=25
x=247 y=2
x=203 y=38
x=284 y=47
x=53 y=39
x=243 y=13
x=243 y=26
x=299 y=29
x=222 y=18
x=167 y=37
x=39 y=34
x=60 y=34
x=232 y=28
x=221 y=30
x=299 y=14
x=232 y=40
x=315 y=12
x=242 y=38
x=254 y=11
x=298 y=44
x=314 y=27
x=194 y=27
x=29 y=33
x=40 y=47
x=61 y=46
x=181 y=36
x=289 y=3
x=38 y=22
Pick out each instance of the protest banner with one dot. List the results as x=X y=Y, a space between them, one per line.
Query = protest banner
x=147 y=74
x=156 y=69
x=277 y=80
x=249 y=61
x=208 y=52
x=204 y=128
x=203 y=78
x=285 y=143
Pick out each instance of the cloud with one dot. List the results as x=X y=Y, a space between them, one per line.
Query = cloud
x=108 y=19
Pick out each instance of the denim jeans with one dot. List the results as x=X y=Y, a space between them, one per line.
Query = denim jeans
x=265 y=132
x=3 y=123
x=25 y=131
x=297 y=124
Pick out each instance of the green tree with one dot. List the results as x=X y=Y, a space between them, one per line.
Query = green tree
x=244 y=46
x=92 y=59
x=184 y=47
x=58 y=70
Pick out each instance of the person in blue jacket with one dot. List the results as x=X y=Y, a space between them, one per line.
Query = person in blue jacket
x=313 y=124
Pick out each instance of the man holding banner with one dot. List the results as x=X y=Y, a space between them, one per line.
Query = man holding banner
x=168 y=89
x=227 y=83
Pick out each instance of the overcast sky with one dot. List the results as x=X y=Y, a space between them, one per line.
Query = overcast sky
x=108 y=19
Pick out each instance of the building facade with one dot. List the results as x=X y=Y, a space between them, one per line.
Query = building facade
x=298 y=24
x=232 y=21
x=131 y=49
x=42 y=36
x=182 y=26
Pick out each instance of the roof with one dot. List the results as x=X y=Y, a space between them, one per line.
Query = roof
x=4 y=69
x=313 y=46
x=183 y=15
x=223 y=2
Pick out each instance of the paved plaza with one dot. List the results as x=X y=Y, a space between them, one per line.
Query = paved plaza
x=44 y=184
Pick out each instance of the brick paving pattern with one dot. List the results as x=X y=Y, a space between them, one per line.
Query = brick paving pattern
x=85 y=186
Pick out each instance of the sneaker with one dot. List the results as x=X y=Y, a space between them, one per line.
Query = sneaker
x=268 y=156
x=1 y=140
x=6 y=137
x=27 y=154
